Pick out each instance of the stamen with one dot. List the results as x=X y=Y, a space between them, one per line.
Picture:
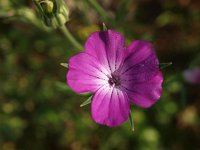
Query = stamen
x=114 y=80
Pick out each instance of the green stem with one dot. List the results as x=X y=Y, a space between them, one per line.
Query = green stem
x=71 y=38
x=99 y=9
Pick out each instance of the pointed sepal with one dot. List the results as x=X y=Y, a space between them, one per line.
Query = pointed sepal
x=165 y=65
x=88 y=101
x=104 y=27
x=64 y=65
x=131 y=121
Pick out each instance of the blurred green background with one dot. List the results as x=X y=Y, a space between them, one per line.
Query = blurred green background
x=39 y=112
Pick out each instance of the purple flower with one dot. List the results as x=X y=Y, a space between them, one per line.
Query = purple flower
x=192 y=75
x=117 y=75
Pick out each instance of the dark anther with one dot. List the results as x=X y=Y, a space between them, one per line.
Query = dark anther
x=114 y=81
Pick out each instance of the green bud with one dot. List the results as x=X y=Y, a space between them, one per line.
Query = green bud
x=47 y=6
x=54 y=13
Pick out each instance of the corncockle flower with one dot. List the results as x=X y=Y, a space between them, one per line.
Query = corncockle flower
x=118 y=76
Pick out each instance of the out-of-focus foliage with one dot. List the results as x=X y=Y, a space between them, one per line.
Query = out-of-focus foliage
x=39 y=112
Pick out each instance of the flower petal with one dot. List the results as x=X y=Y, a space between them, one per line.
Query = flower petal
x=145 y=94
x=108 y=47
x=85 y=74
x=110 y=106
x=140 y=74
x=138 y=52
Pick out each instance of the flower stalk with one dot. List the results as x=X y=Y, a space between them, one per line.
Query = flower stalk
x=70 y=37
x=99 y=9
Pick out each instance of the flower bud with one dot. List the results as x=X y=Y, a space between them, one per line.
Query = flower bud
x=47 y=6
x=54 y=13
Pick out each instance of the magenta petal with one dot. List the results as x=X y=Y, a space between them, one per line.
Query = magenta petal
x=139 y=52
x=140 y=74
x=147 y=93
x=108 y=47
x=110 y=106
x=85 y=74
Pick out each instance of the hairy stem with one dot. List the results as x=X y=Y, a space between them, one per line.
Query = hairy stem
x=70 y=37
x=98 y=8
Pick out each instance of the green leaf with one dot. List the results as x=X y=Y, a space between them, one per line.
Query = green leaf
x=64 y=65
x=104 y=27
x=88 y=101
x=164 y=65
x=131 y=121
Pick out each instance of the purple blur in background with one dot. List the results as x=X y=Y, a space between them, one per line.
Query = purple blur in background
x=192 y=75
